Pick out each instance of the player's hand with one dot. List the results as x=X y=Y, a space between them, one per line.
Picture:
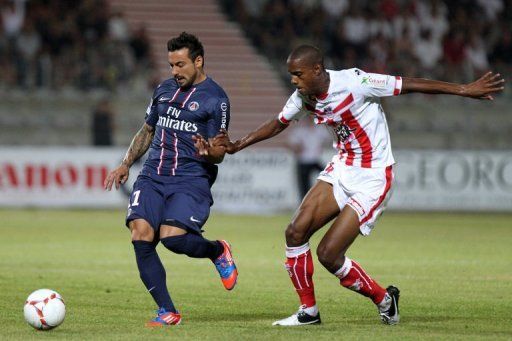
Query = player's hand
x=222 y=139
x=117 y=177
x=201 y=144
x=485 y=86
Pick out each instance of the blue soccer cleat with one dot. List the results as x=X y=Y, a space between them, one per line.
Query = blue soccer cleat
x=164 y=318
x=226 y=267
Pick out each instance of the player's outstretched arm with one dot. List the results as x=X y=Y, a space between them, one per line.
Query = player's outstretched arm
x=138 y=147
x=267 y=130
x=482 y=88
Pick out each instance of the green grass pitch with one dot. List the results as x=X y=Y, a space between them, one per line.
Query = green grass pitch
x=454 y=272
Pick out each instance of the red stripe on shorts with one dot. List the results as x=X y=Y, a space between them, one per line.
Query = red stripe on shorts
x=389 y=175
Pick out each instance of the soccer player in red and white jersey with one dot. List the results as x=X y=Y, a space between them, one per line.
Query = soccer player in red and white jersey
x=352 y=191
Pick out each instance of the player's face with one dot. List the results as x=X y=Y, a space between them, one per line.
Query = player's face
x=184 y=69
x=303 y=76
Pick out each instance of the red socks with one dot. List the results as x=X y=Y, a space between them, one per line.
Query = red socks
x=299 y=265
x=353 y=277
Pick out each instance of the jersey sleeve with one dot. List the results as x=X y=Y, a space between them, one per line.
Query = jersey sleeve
x=151 y=117
x=375 y=84
x=219 y=117
x=292 y=110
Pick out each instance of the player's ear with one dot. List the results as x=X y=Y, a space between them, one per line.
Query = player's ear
x=317 y=69
x=199 y=62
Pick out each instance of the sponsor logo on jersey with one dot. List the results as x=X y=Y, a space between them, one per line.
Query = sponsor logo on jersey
x=193 y=106
x=177 y=124
x=224 y=119
x=375 y=82
x=164 y=99
x=343 y=132
x=174 y=112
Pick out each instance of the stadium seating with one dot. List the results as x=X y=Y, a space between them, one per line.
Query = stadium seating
x=62 y=116
x=255 y=91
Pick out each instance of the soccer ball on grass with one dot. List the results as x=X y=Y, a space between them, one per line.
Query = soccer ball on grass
x=44 y=309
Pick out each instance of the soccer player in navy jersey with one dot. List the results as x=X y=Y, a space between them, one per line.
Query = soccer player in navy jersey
x=171 y=198
x=355 y=186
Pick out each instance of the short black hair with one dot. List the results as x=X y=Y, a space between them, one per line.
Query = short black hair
x=190 y=41
x=309 y=53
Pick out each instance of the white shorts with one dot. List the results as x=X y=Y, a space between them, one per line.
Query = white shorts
x=366 y=190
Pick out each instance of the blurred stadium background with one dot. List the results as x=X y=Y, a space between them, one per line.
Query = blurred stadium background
x=76 y=74
x=75 y=80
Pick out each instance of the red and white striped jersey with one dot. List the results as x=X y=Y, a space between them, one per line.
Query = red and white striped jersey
x=352 y=111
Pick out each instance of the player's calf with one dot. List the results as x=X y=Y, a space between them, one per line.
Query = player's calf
x=299 y=264
x=192 y=245
x=352 y=276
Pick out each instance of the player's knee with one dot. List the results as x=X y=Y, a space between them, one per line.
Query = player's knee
x=141 y=231
x=176 y=244
x=327 y=256
x=295 y=235
x=142 y=235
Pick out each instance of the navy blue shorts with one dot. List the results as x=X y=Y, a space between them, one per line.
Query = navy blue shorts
x=183 y=202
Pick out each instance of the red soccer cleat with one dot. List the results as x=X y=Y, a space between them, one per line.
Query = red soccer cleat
x=164 y=318
x=226 y=267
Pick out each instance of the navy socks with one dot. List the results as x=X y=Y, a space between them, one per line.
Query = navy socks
x=152 y=273
x=193 y=245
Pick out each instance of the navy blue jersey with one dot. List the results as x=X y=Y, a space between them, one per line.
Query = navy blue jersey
x=177 y=115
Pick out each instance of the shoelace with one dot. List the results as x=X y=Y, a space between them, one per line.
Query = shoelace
x=301 y=310
x=223 y=266
x=160 y=311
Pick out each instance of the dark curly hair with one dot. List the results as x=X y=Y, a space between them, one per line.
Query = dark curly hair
x=190 y=41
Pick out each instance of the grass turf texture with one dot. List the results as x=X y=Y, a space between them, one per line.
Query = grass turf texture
x=454 y=273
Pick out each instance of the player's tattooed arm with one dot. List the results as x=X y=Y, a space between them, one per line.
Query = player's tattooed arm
x=482 y=88
x=140 y=144
x=138 y=147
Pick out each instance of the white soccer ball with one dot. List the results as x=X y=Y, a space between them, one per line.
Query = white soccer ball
x=44 y=309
